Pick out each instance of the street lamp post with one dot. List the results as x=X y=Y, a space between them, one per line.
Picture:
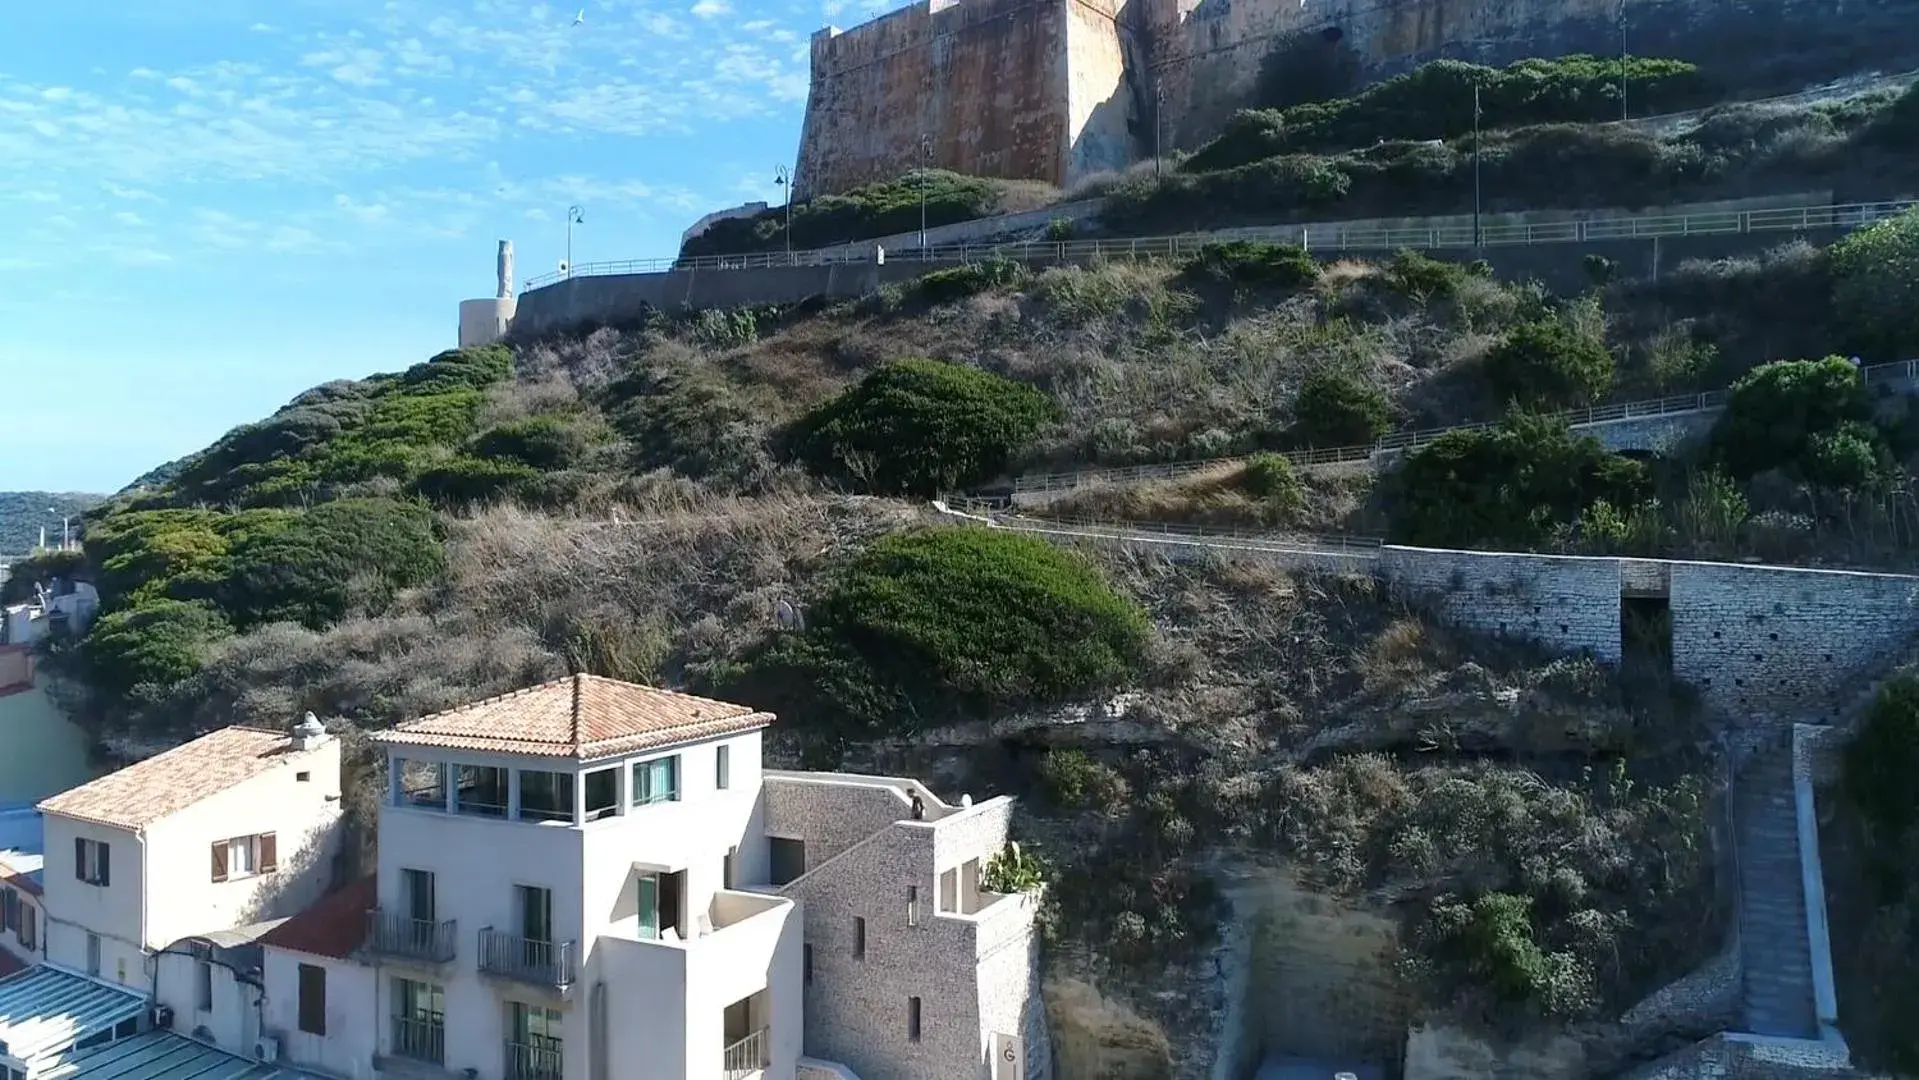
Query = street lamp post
x=1159 y=108
x=574 y=216
x=783 y=176
x=1623 y=113
x=926 y=165
x=1478 y=238
x=66 y=534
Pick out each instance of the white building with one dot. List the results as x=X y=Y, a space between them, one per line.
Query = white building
x=228 y=830
x=584 y=880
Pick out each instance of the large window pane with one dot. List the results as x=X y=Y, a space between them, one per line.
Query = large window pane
x=546 y=796
x=423 y=784
x=602 y=794
x=482 y=790
x=656 y=781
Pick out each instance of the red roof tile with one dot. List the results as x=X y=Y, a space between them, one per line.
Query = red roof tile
x=334 y=927
x=584 y=717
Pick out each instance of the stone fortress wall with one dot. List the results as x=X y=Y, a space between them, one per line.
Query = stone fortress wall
x=1057 y=90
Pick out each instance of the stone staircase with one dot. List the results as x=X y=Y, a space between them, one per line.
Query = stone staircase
x=1778 y=996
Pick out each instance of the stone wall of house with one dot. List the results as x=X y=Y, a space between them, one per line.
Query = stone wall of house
x=875 y=941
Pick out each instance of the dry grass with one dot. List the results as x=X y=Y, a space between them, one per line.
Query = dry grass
x=1216 y=498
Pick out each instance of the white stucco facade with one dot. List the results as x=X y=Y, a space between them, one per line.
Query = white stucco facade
x=559 y=895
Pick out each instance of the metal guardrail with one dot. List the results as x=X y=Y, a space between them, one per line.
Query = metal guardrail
x=1628 y=227
x=1678 y=405
x=394 y=934
x=1249 y=539
x=746 y=1057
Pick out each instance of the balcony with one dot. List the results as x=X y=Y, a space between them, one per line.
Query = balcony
x=539 y=1060
x=420 y=1038
x=393 y=935
x=538 y=963
x=747 y=1057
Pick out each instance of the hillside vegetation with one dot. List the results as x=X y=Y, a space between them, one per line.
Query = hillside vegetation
x=1404 y=148
x=24 y=513
x=739 y=502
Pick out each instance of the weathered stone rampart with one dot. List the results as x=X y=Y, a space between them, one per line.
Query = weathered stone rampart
x=1056 y=90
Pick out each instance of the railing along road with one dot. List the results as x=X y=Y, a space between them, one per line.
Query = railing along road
x=1906 y=370
x=1624 y=227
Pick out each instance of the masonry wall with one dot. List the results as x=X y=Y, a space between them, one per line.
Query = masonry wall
x=1759 y=640
x=1562 y=602
x=981 y=82
x=1210 y=54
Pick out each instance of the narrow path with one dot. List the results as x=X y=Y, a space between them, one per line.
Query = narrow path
x=1777 y=998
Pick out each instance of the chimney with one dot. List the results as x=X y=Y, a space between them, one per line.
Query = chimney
x=506 y=270
x=309 y=733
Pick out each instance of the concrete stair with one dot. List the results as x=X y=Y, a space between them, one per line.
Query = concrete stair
x=1778 y=996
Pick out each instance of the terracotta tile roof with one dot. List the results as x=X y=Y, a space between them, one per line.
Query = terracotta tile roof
x=165 y=784
x=334 y=927
x=584 y=717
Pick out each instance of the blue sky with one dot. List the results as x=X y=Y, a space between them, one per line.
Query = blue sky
x=207 y=206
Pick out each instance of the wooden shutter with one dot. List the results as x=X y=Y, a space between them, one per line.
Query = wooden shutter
x=80 y=858
x=105 y=850
x=269 y=854
x=30 y=927
x=313 y=999
x=220 y=859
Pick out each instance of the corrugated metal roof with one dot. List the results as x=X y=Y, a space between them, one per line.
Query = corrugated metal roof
x=44 y=1010
x=162 y=1055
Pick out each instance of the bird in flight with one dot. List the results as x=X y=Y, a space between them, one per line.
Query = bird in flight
x=580 y=18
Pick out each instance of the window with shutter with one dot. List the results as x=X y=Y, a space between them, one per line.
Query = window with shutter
x=313 y=999
x=104 y=850
x=79 y=858
x=269 y=853
x=220 y=851
x=30 y=928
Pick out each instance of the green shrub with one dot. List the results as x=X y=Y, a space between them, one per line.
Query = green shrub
x=150 y=645
x=1491 y=941
x=1881 y=762
x=1337 y=406
x=541 y=442
x=1253 y=262
x=718 y=329
x=938 y=623
x=1435 y=101
x=1423 y=279
x=1512 y=485
x=959 y=282
x=863 y=213
x=922 y=427
x=315 y=568
x=1073 y=780
x=1547 y=364
x=1061 y=230
x=686 y=419
x=1780 y=415
x=39 y=569
x=464 y=480
x=1875 y=285
x=1011 y=870
x=1269 y=477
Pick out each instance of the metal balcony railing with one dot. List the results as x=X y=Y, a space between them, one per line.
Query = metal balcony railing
x=392 y=934
x=422 y=1038
x=536 y=1060
x=540 y=963
x=746 y=1057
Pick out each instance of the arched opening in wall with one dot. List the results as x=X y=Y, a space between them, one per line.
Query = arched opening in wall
x=1645 y=635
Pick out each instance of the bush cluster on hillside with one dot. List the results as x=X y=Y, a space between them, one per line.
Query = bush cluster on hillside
x=1808 y=417
x=886 y=208
x=389 y=428
x=922 y=427
x=1435 y=101
x=1877 y=780
x=932 y=625
x=1508 y=486
x=1735 y=151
